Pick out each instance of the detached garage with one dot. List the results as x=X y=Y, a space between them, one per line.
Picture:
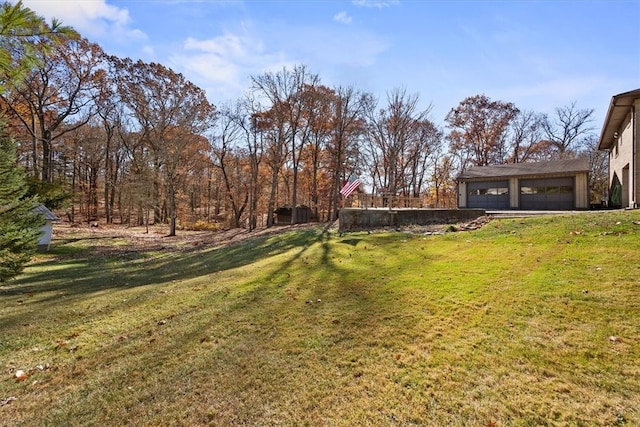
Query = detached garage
x=556 y=185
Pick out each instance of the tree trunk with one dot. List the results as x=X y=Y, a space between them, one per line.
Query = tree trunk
x=253 y=203
x=107 y=181
x=47 y=157
x=172 y=210
x=294 y=196
x=272 y=196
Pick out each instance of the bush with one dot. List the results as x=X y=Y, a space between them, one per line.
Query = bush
x=201 y=225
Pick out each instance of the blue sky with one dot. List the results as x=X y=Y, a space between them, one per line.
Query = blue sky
x=537 y=54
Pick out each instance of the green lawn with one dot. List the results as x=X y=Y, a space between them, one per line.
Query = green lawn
x=525 y=322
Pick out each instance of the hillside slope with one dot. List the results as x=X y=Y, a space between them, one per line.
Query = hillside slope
x=523 y=322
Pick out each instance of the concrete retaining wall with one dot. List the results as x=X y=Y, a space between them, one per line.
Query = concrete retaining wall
x=352 y=219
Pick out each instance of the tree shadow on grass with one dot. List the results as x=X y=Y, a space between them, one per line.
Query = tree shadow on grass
x=74 y=276
x=219 y=337
x=79 y=272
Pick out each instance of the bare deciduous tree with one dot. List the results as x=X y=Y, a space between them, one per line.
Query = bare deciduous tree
x=348 y=118
x=289 y=112
x=394 y=132
x=568 y=129
x=525 y=135
x=171 y=113
x=228 y=158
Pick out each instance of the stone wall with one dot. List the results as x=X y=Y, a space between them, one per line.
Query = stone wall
x=352 y=219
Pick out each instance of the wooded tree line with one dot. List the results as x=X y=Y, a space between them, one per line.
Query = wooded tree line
x=116 y=140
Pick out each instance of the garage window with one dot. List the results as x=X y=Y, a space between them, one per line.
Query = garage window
x=495 y=191
x=561 y=189
x=558 y=189
x=532 y=190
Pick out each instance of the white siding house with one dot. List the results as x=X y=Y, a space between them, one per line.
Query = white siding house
x=620 y=134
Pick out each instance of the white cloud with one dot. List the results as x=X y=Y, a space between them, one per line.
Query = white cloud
x=342 y=17
x=92 y=19
x=222 y=65
x=149 y=51
x=225 y=45
x=376 y=3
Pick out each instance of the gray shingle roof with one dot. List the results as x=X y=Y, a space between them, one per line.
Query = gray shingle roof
x=566 y=167
x=618 y=109
x=48 y=215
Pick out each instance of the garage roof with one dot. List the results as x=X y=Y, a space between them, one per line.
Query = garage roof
x=618 y=110
x=564 y=167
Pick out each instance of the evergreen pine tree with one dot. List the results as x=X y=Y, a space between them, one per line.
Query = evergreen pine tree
x=20 y=226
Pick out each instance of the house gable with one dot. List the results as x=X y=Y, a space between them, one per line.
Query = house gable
x=619 y=136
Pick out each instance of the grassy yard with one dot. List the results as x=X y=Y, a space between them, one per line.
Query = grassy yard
x=525 y=322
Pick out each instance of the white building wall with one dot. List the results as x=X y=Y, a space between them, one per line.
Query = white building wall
x=47 y=234
x=624 y=158
x=636 y=141
x=582 y=191
x=462 y=194
x=514 y=193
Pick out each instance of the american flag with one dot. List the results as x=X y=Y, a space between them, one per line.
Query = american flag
x=350 y=186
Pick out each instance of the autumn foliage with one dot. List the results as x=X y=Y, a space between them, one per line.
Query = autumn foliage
x=137 y=143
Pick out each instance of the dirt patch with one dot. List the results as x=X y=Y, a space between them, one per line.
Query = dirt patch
x=136 y=239
x=435 y=229
x=157 y=238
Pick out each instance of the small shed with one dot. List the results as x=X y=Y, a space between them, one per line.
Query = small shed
x=47 y=228
x=284 y=213
x=553 y=185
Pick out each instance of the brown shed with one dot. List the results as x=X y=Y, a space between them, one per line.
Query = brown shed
x=283 y=215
